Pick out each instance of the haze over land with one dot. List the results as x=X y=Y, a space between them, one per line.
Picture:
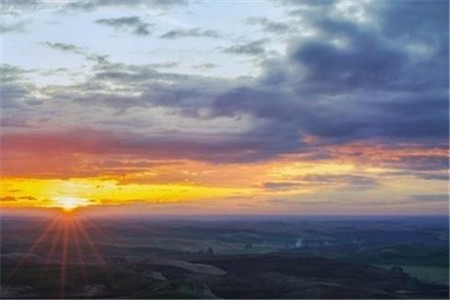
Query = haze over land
x=205 y=107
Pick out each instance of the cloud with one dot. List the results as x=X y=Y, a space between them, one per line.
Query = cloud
x=419 y=22
x=29 y=198
x=348 y=82
x=166 y=65
x=90 y=5
x=280 y=185
x=63 y=47
x=435 y=176
x=364 y=60
x=415 y=159
x=17 y=91
x=190 y=33
x=308 y=4
x=17 y=27
x=353 y=182
x=270 y=26
x=250 y=48
x=14 y=122
x=133 y=24
x=205 y=66
x=8 y=199
x=431 y=197
x=237 y=148
x=15 y=7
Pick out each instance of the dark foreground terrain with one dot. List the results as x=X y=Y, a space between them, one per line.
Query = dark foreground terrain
x=270 y=257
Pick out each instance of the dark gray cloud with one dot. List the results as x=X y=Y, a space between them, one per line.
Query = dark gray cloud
x=366 y=60
x=417 y=21
x=369 y=86
x=250 y=48
x=194 y=32
x=134 y=24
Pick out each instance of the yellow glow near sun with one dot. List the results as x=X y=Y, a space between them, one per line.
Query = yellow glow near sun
x=83 y=192
x=70 y=203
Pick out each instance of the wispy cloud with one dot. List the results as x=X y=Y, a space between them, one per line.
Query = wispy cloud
x=17 y=27
x=63 y=47
x=187 y=33
x=250 y=48
x=133 y=24
x=431 y=197
x=270 y=26
x=15 y=7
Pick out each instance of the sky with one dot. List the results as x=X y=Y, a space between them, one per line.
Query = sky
x=225 y=107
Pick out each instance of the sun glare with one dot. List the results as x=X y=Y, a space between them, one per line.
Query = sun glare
x=70 y=203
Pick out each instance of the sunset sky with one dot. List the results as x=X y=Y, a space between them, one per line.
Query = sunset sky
x=225 y=107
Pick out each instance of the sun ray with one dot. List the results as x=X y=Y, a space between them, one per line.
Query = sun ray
x=76 y=240
x=55 y=242
x=80 y=225
x=66 y=234
x=64 y=260
x=33 y=247
x=97 y=229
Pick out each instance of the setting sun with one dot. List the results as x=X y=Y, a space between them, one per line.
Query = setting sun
x=70 y=203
